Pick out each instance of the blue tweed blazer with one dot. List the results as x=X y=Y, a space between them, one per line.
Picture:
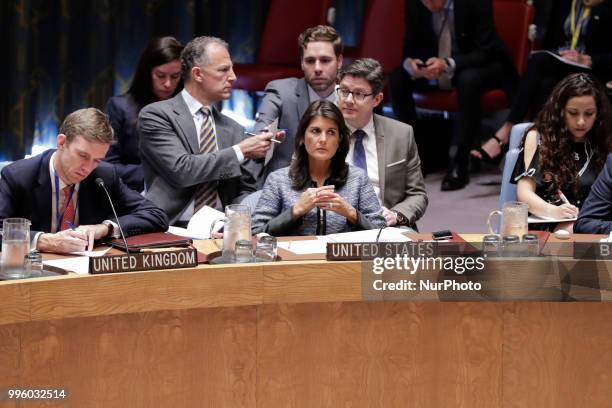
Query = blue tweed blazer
x=273 y=211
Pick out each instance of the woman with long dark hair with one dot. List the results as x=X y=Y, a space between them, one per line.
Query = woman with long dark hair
x=564 y=151
x=157 y=77
x=318 y=193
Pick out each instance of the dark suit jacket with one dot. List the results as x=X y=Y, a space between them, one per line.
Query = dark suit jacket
x=595 y=216
x=478 y=43
x=399 y=169
x=597 y=40
x=122 y=113
x=173 y=166
x=26 y=192
x=286 y=99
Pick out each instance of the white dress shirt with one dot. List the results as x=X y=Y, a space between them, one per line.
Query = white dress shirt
x=369 y=145
x=58 y=192
x=194 y=107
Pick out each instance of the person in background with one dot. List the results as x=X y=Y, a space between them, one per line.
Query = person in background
x=59 y=191
x=452 y=44
x=384 y=148
x=319 y=193
x=564 y=151
x=287 y=99
x=579 y=31
x=157 y=77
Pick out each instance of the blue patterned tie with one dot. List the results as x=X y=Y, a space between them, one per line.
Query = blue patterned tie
x=359 y=157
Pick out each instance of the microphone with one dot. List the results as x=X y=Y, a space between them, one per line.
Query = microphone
x=380 y=232
x=100 y=184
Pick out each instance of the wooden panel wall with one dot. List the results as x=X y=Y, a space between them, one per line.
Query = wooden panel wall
x=192 y=358
x=380 y=355
x=340 y=354
x=558 y=355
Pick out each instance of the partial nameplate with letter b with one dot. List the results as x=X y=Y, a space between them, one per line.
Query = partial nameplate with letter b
x=593 y=250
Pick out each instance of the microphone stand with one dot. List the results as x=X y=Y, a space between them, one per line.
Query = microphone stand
x=100 y=184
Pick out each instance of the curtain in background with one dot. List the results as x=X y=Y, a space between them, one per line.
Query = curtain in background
x=62 y=55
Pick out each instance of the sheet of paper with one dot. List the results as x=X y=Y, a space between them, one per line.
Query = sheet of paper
x=535 y=219
x=560 y=58
x=183 y=232
x=92 y=253
x=199 y=224
x=79 y=264
x=311 y=246
x=389 y=234
x=272 y=127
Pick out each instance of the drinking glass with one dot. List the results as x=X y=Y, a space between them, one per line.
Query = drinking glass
x=266 y=249
x=237 y=227
x=514 y=219
x=243 y=251
x=15 y=245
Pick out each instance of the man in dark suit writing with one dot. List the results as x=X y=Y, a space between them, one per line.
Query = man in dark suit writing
x=193 y=155
x=57 y=190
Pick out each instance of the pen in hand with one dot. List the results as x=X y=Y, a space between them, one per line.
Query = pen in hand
x=254 y=134
x=563 y=197
x=90 y=237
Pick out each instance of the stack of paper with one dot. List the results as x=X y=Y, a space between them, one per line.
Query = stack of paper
x=389 y=234
x=199 y=224
x=311 y=246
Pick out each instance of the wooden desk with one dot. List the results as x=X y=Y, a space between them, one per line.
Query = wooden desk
x=294 y=335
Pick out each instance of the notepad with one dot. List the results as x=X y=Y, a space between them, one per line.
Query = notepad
x=560 y=58
x=536 y=219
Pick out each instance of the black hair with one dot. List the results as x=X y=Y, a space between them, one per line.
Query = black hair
x=299 y=170
x=159 y=51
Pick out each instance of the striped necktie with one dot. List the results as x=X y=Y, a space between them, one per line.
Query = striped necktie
x=68 y=213
x=206 y=193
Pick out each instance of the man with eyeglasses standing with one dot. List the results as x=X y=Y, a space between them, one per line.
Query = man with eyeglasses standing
x=384 y=148
x=287 y=99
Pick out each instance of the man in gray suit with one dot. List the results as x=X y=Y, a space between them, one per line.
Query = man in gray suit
x=192 y=155
x=287 y=99
x=384 y=148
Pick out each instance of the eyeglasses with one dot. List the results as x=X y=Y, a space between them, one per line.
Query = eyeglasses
x=357 y=95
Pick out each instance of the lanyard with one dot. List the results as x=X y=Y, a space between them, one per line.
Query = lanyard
x=59 y=215
x=576 y=28
x=589 y=154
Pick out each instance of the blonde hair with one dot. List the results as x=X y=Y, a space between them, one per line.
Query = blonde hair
x=90 y=123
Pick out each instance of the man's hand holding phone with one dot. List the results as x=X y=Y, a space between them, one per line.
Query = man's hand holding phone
x=415 y=67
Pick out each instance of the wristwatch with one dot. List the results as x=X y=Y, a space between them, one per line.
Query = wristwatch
x=401 y=218
x=113 y=232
